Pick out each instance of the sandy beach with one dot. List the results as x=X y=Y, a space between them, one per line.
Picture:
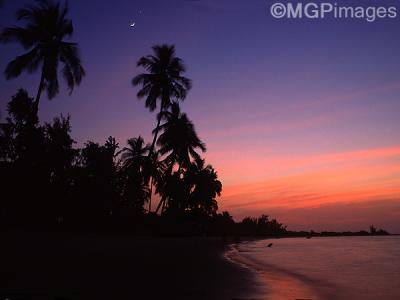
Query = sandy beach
x=277 y=284
x=121 y=267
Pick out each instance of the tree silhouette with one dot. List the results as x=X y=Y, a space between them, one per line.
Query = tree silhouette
x=43 y=36
x=134 y=157
x=21 y=110
x=96 y=179
x=134 y=162
x=204 y=187
x=153 y=172
x=179 y=139
x=21 y=122
x=194 y=190
x=163 y=82
x=22 y=132
x=60 y=154
x=59 y=158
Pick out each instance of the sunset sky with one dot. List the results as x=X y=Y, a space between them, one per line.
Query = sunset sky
x=300 y=117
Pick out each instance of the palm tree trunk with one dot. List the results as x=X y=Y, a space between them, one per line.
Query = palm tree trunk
x=159 y=205
x=39 y=92
x=151 y=193
x=153 y=144
x=163 y=207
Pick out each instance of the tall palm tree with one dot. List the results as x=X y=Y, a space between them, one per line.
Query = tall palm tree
x=179 y=139
x=46 y=27
x=163 y=82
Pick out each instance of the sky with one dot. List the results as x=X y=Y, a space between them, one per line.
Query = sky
x=300 y=116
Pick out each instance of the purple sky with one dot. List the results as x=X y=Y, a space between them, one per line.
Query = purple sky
x=276 y=101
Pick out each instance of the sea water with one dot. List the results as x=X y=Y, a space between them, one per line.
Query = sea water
x=325 y=267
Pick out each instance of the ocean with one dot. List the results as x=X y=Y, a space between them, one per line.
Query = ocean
x=340 y=268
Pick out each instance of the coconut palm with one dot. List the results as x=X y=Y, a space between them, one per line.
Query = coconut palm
x=174 y=191
x=43 y=36
x=163 y=82
x=153 y=172
x=205 y=187
x=193 y=189
x=179 y=139
x=134 y=162
x=134 y=157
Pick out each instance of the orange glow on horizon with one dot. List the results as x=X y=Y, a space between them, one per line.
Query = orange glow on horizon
x=314 y=181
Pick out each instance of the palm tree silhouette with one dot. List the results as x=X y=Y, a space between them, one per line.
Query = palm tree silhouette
x=154 y=170
x=43 y=35
x=134 y=162
x=173 y=191
x=179 y=139
x=205 y=187
x=134 y=156
x=163 y=82
x=179 y=142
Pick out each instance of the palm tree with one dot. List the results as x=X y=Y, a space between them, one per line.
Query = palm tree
x=163 y=82
x=43 y=36
x=134 y=156
x=195 y=189
x=154 y=170
x=173 y=191
x=134 y=163
x=205 y=187
x=179 y=139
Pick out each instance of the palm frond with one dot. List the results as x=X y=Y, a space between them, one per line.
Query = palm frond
x=26 y=62
x=18 y=34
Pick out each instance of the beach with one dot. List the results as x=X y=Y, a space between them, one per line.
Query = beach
x=325 y=268
x=95 y=266
x=121 y=267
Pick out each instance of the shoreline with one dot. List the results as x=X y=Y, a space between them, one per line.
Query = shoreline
x=277 y=284
x=304 y=269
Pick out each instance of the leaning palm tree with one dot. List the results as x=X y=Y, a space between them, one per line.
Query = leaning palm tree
x=163 y=82
x=179 y=140
x=46 y=27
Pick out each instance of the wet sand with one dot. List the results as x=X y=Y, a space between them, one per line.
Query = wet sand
x=121 y=267
x=277 y=284
x=328 y=268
